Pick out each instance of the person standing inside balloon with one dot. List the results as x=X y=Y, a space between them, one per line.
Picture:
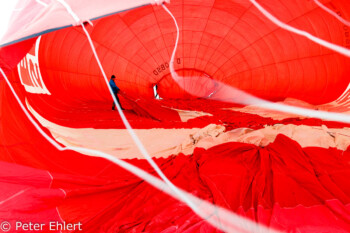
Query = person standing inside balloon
x=115 y=90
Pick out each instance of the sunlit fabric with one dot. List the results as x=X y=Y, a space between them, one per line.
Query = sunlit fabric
x=229 y=41
x=256 y=163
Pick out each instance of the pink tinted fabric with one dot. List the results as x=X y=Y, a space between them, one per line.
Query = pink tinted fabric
x=229 y=41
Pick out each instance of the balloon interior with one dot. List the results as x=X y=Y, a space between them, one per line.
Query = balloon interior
x=194 y=104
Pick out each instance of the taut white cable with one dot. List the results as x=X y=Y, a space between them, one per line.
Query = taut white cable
x=347 y=23
x=42 y=3
x=234 y=95
x=133 y=135
x=137 y=141
x=176 y=190
x=226 y=220
x=70 y=11
x=273 y=19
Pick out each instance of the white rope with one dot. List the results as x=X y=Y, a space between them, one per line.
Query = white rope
x=171 y=66
x=125 y=121
x=70 y=11
x=226 y=220
x=273 y=19
x=233 y=221
x=234 y=95
x=167 y=185
x=42 y=3
x=133 y=135
x=347 y=23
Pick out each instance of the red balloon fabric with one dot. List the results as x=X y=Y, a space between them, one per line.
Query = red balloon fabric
x=229 y=41
x=281 y=185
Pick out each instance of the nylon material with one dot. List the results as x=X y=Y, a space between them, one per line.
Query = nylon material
x=344 y=21
x=204 y=52
x=334 y=47
x=233 y=223
x=31 y=198
x=227 y=93
x=258 y=74
x=92 y=10
x=138 y=143
x=175 y=190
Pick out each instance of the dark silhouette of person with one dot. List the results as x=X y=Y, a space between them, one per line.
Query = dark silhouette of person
x=115 y=90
